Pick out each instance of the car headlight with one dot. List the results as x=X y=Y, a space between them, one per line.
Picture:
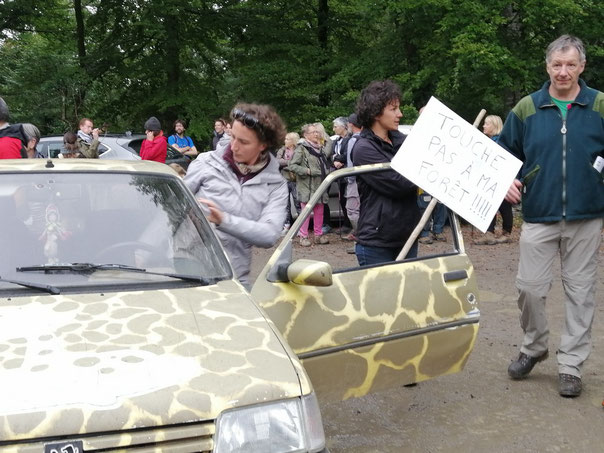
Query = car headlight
x=287 y=426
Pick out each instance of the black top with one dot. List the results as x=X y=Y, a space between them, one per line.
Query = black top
x=389 y=210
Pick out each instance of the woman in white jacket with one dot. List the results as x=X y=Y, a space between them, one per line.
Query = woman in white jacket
x=240 y=187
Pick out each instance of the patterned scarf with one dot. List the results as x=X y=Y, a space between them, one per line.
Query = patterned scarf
x=316 y=151
x=87 y=138
x=245 y=172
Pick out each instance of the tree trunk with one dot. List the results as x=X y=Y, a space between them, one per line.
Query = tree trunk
x=80 y=91
x=77 y=6
x=323 y=38
x=172 y=64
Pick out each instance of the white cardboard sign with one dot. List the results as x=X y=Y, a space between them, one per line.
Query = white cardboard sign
x=453 y=161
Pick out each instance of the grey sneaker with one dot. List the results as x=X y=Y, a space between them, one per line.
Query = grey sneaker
x=440 y=237
x=425 y=240
x=569 y=386
x=321 y=240
x=503 y=239
x=305 y=242
x=487 y=239
x=522 y=366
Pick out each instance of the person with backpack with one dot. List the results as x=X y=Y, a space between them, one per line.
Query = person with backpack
x=182 y=142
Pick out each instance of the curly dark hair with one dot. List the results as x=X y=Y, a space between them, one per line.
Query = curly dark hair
x=374 y=98
x=179 y=121
x=270 y=127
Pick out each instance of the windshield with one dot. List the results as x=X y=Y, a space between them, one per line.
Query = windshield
x=141 y=220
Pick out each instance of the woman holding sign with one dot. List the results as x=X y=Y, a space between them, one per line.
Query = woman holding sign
x=389 y=210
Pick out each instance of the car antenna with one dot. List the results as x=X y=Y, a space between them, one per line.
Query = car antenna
x=49 y=164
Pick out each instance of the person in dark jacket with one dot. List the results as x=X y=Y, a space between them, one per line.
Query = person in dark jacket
x=558 y=134
x=389 y=211
x=217 y=133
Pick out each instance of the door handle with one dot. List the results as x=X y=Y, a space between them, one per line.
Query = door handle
x=455 y=275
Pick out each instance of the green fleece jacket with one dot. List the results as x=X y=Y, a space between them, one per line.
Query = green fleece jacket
x=565 y=185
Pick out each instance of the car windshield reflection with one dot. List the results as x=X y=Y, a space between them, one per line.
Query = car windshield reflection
x=138 y=221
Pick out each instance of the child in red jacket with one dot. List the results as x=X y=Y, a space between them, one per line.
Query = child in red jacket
x=155 y=147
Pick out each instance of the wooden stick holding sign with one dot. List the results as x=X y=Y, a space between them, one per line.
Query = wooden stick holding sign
x=428 y=212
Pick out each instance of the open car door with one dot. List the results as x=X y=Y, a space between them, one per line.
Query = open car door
x=359 y=329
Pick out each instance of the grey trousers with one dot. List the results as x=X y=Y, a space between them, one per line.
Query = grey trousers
x=577 y=243
x=353 y=203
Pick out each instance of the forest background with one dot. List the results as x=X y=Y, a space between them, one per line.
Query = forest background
x=119 y=62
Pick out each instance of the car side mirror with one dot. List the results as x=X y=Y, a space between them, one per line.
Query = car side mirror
x=307 y=273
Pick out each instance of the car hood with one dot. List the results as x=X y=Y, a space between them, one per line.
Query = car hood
x=96 y=362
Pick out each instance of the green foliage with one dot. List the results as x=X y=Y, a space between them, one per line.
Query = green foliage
x=309 y=58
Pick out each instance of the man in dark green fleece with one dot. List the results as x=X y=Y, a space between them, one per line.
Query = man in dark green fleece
x=558 y=133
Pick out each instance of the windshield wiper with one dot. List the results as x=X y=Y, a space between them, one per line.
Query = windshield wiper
x=91 y=267
x=47 y=288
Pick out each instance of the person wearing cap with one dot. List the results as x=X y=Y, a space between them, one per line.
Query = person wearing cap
x=32 y=134
x=88 y=139
x=155 y=147
x=12 y=137
x=240 y=188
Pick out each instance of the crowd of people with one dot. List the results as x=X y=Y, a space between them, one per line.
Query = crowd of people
x=258 y=174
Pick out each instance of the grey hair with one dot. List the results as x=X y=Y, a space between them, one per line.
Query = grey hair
x=321 y=130
x=293 y=136
x=31 y=132
x=341 y=121
x=306 y=127
x=563 y=43
x=4 y=113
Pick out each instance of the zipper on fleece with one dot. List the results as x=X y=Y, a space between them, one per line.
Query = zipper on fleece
x=563 y=131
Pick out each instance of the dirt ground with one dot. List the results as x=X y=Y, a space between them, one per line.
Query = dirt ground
x=479 y=409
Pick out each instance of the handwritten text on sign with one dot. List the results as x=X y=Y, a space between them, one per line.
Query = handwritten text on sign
x=451 y=160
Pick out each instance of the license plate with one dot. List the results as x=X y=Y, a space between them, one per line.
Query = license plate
x=74 y=446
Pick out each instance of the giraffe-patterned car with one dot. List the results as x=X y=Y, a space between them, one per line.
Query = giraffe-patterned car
x=123 y=329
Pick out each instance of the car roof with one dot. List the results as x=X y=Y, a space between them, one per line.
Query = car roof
x=101 y=136
x=84 y=165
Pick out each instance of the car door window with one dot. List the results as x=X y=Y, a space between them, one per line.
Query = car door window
x=53 y=149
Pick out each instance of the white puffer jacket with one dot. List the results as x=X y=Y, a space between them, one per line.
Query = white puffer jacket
x=254 y=211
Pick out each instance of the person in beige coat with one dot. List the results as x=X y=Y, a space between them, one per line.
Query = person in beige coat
x=310 y=163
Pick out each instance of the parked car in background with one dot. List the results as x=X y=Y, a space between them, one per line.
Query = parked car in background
x=112 y=146
x=124 y=146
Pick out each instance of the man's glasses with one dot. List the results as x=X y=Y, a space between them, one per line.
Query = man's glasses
x=247 y=119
